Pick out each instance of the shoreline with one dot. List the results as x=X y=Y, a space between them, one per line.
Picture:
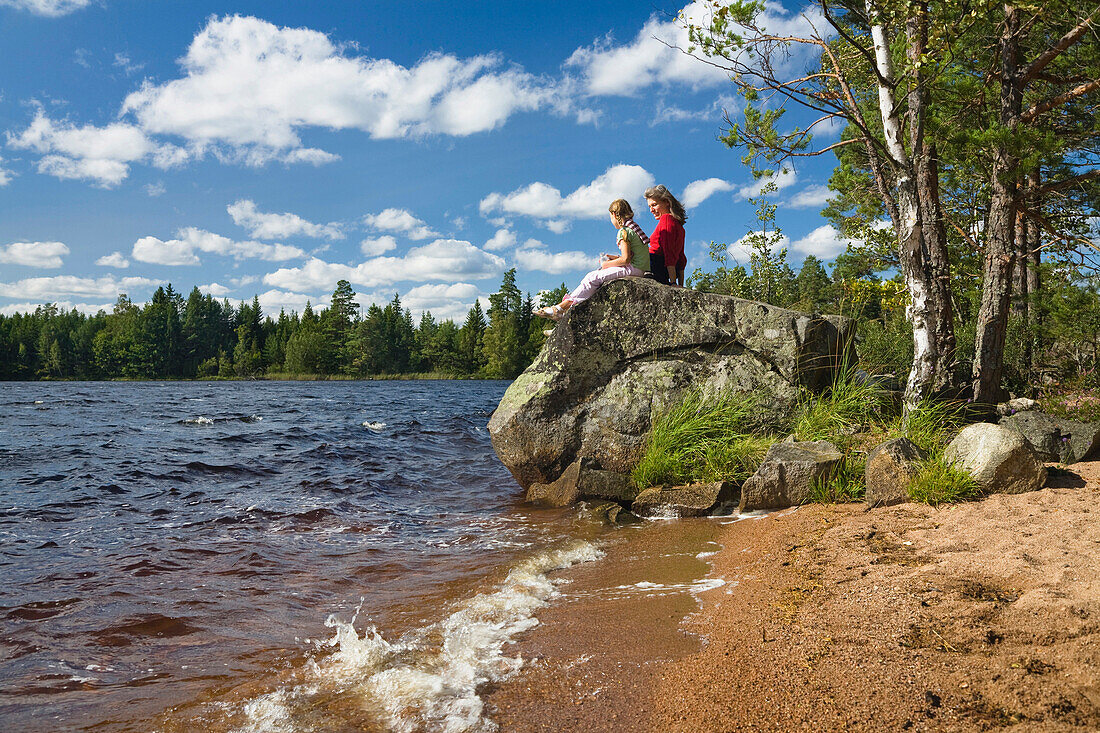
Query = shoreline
x=971 y=616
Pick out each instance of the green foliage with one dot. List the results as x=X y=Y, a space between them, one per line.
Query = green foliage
x=844 y=487
x=938 y=482
x=702 y=438
x=932 y=424
x=848 y=406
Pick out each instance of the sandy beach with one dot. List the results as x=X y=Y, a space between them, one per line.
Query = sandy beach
x=983 y=615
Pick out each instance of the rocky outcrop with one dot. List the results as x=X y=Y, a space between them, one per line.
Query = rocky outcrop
x=694 y=500
x=890 y=468
x=1000 y=460
x=635 y=348
x=1054 y=438
x=788 y=474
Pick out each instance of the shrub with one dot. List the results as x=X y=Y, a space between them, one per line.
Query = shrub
x=939 y=482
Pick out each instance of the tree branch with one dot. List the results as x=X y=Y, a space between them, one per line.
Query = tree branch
x=1069 y=182
x=1058 y=48
x=1040 y=108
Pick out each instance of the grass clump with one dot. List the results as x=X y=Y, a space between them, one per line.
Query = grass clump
x=705 y=437
x=847 y=485
x=932 y=424
x=938 y=482
x=848 y=406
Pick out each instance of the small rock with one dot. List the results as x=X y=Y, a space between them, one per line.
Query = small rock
x=563 y=491
x=1000 y=460
x=890 y=468
x=1054 y=438
x=1018 y=404
x=694 y=500
x=787 y=475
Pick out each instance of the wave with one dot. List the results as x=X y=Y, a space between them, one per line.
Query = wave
x=203 y=420
x=427 y=679
x=374 y=427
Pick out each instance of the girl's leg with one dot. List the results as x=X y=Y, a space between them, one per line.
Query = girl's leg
x=593 y=280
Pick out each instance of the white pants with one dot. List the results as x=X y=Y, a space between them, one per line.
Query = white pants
x=593 y=280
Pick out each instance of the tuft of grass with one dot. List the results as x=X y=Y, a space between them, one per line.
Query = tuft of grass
x=702 y=438
x=933 y=424
x=848 y=406
x=938 y=482
x=846 y=486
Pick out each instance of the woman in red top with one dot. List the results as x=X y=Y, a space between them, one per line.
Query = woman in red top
x=666 y=244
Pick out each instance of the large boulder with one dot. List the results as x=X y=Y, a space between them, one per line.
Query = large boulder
x=890 y=468
x=1000 y=460
x=788 y=475
x=635 y=348
x=1054 y=438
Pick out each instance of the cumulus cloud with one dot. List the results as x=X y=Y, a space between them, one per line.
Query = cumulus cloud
x=62 y=305
x=216 y=289
x=47 y=8
x=252 y=86
x=115 y=259
x=374 y=246
x=155 y=189
x=503 y=239
x=544 y=203
x=697 y=192
x=444 y=260
x=181 y=250
x=33 y=254
x=99 y=154
x=272 y=301
x=653 y=56
x=810 y=197
x=442 y=301
x=535 y=256
x=740 y=251
x=59 y=287
x=401 y=221
x=825 y=243
x=278 y=226
x=781 y=178
x=5 y=174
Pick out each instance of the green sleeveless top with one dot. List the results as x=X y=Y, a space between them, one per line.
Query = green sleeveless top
x=639 y=252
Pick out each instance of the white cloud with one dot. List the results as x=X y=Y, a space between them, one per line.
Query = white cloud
x=62 y=305
x=697 y=192
x=273 y=301
x=740 y=251
x=5 y=174
x=155 y=189
x=115 y=259
x=503 y=239
x=278 y=226
x=543 y=202
x=251 y=86
x=240 y=282
x=825 y=243
x=810 y=197
x=654 y=57
x=100 y=154
x=69 y=286
x=48 y=8
x=33 y=254
x=442 y=301
x=181 y=251
x=399 y=220
x=781 y=178
x=444 y=260
x=534 y=256
x=372 y=247
x=216 y=289
x=124 y=62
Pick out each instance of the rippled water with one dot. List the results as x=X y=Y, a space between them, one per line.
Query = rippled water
x=261 y=556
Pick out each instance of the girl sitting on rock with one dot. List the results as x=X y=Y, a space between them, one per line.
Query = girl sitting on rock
x=632 y=261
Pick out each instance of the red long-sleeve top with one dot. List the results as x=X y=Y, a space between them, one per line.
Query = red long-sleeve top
x=668 y=239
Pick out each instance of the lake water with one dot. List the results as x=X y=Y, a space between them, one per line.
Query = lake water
x=263 y=556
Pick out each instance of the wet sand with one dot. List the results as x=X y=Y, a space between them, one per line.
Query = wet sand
x=984 y=615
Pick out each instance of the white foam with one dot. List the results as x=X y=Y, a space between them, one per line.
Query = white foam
x=427 y=679
x=200 y=420
x=374 y=427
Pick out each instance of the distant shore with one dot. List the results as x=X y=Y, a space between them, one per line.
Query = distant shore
x=423 y=376
x=970 y=616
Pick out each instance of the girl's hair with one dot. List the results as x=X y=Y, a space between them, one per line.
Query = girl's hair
x=660 y=193
x=621 y=209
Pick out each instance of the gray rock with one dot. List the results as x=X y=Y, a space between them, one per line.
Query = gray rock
x=636 y=347
x=614 y=513
x=890 y=468
x=563 y=491
x=1000 y=460
x=787 y=475
x=694 y=500
x=1054 y=438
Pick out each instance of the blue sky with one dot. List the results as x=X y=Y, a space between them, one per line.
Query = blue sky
x=273 y=148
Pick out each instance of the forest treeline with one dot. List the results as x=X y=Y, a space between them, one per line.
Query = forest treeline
x=172 y=337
